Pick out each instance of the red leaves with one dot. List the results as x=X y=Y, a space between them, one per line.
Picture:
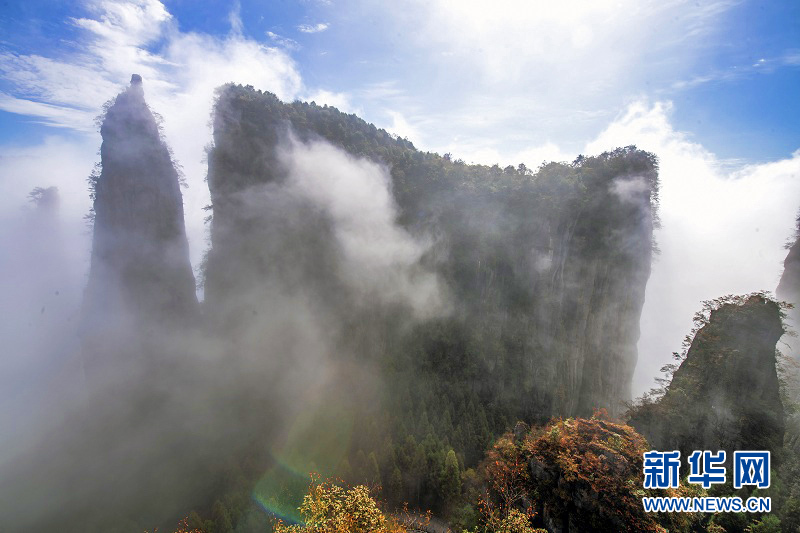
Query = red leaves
x=590 y=469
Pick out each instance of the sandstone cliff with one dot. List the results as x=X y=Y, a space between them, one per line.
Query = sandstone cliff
x=141 y=281
x=725 y=395
x=789 y=291
x=545 y=271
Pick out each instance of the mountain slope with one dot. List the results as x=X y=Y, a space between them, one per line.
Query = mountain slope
x=545 y=272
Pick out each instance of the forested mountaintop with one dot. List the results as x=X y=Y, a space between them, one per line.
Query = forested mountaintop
x=496 y=294
x=545 y=269
x=377 y=314
x=789 y=285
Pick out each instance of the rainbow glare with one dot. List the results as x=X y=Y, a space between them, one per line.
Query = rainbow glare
x=317 y=442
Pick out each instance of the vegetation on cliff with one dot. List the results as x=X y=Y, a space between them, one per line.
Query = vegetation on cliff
x=539 y=277
x=575 y=474
x=725 y=395
x=789 y=291
x=382 y=314
x=542 y=268
x=330 y=508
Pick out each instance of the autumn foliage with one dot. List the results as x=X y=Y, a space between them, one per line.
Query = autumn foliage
x=330 y=508
x=583 y=472
x=183 y=527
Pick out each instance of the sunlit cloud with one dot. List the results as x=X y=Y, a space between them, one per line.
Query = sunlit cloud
x=722 y=232
x=341 y=101
x=235 y=18
x=762 y=65
x=283 y=42
x=180 y=69
x=516 y=74
x=401 y=127
x=313 y=28
x=524 y=85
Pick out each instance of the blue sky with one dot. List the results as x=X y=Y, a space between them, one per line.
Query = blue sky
x=731 y=68
x=710 y=86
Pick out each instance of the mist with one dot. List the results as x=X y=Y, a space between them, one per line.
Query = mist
x=724 y=227
x=280 y=353
x=124 y=373
x=273 y=288
x=379 y=260
x=45 y=261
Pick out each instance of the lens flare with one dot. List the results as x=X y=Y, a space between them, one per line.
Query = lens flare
x=317 y=442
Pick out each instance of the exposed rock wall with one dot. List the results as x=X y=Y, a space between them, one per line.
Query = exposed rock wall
x=141 y=281
x=725 y=395
x=546 y=271
x=789 y=291
x=574 y=284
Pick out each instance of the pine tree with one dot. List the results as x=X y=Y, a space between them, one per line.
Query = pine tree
x=450 y=484
x=373 y=472
x=222 y=518
x=395 y=488
x=360 y=466
x=346 y=471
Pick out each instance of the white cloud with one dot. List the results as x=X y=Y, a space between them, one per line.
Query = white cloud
x=283 y=42
x=563 y=44
x=235 y=18
x=536 y=155
x=531 y=157
x=515 y=74
x=53 y=115
x=723 y=231
x=46 y=254
x=69 y=164
x=180 y=71
x=401 y=127
x=340 y=101
x=475 y=151
x=313 y=28
x=132 y=23
x=379 y=258
x=790 y=58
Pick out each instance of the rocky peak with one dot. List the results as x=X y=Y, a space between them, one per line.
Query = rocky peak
x=140 y=274
x=725 y=394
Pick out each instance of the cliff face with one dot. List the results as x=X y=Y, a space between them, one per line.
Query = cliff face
x=725 y=394
x=789 y=291
x=563 y=279
x=141 y=279
x=545 y=271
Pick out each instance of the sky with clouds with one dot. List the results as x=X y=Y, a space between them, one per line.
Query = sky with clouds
x=709 y=86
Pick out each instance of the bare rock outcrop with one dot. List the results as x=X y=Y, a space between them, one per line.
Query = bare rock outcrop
x=725 y=394
x=141 y=282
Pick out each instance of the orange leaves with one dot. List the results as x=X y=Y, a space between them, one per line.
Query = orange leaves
x=330 y=508
x=183 y=527
x=587 y=471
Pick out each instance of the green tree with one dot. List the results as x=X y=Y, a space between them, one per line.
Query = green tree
x=769 y=524
x=373 y=473
x=450 y=484
x=222 y=518
x=396 y=485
